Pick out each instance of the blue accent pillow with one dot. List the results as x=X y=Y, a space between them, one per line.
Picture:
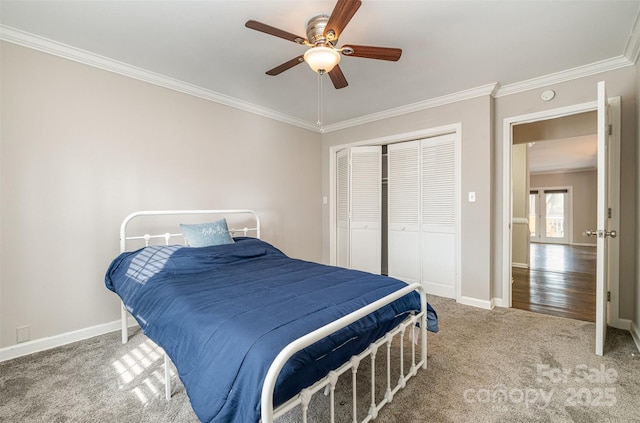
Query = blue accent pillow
x=207 y=234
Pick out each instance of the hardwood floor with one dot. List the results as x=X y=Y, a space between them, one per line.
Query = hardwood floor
x=560 y=281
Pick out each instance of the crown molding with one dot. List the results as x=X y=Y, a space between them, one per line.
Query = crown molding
x=496 y=90
x=489 y=89
x=629 y=58
x=566 y=75
x=632 y=49
x=65 y=51
x=15 y=36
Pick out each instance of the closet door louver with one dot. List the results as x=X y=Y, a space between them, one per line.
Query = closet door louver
x=438 y=179
x=438 y=226
x=359 y=203
x=403 y=164
x=342 y=208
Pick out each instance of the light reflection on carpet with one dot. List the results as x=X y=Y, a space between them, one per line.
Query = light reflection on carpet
x=136 y=362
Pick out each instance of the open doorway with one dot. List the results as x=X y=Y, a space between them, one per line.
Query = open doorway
x=608 y=204
x=554 y=196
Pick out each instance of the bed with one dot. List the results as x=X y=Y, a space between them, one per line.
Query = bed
x=249 y=328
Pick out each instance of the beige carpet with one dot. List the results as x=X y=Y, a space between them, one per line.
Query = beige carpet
x=504 y=365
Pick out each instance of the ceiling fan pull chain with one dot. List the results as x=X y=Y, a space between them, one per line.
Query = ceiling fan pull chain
x=319 y=98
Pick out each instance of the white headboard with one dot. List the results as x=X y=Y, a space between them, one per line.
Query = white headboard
x=215 y=214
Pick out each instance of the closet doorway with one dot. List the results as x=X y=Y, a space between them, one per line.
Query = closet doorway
x=419 y=243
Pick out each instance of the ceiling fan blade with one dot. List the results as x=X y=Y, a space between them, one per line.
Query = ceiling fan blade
x=369 y=52
x=268 y=29
x=341 y=15
x=285 y=66
x=337 y=77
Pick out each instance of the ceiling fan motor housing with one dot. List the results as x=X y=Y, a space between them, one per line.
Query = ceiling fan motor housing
x=315 y=30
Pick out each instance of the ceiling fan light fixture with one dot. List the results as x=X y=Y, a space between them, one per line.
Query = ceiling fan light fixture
x=321 y=59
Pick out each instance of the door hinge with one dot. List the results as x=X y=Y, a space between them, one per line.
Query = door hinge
x=609 y=213
x=609 y=296
x=610 y=129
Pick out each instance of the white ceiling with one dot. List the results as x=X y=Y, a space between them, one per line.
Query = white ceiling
x=448 y=47
x=564 y=155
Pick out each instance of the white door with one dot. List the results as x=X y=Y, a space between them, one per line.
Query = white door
x=358 y=208
x=603 y=232
x=403 y=211
x=366 y=209
x=422 y=213
x=438 y=215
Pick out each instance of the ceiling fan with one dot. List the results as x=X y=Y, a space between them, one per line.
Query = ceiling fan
x=322 y=36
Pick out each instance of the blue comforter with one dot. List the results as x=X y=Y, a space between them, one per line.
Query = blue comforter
x=223 y=313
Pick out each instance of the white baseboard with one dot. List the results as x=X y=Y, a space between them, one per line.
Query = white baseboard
x=635 y=334
x=498 y=302
x=624 y=324
x=42 y=344
x=475 y=302
x=520 y=265
x=439 y=290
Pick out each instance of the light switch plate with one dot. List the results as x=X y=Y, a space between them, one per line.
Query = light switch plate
x=472 y=197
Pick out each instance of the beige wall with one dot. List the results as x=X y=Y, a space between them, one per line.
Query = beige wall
x=621 y=82
x=81 y=148
x=585 y=196
x=578 y=125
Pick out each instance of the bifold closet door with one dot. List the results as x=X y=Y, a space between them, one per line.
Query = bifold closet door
x=422 y=198
x=359 y=208
x=438 y=222
x=403 y=210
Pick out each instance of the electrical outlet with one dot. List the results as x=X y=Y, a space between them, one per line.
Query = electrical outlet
x=23 y=334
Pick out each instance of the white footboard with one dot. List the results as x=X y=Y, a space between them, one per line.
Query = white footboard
x=329 y=382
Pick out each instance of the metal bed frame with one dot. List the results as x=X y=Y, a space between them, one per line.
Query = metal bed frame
x=328 y=383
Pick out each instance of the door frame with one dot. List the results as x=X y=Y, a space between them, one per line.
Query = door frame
x=613 y=315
